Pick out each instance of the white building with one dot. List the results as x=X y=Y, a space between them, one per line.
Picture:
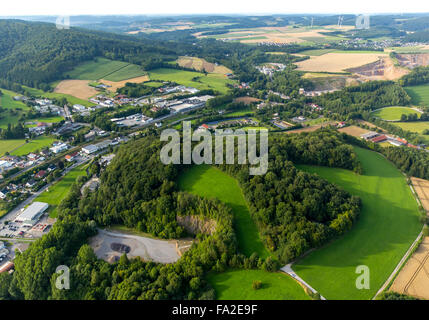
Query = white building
x=32 y=214
x=2 y=245
x=5 y=165
x=59 y=148
x=79 y=107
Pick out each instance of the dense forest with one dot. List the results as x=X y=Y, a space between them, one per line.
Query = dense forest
x=35 y=54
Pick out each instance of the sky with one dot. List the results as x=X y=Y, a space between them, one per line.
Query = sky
x=110 y=7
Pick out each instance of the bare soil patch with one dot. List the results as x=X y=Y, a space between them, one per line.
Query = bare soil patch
x=76 y=88
x=114 y=85
x=413 y=60
x=109 y=246
x=246 y=100
x=354 y=131
x=310 y=129
x=383 y=69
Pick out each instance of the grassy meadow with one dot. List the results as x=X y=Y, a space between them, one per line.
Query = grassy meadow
x=419 y=94
x=210 y=182
x=393 y=113
x=387 y=226
x=33 y=145
x=237 y=285
x=56 y=193
x=192 y=79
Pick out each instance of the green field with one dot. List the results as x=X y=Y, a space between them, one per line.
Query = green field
x=237 y=285
x=419 y=94
x=14 y=109
x=387 y=226
x=393 y=113
x=106 y=69
x=9 y=145
x=45 y=120
x=192 y=79
x=56 y=193
x=210 y=182
x=37 y=144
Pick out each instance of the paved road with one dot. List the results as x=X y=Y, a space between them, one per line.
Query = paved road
x=288 y=269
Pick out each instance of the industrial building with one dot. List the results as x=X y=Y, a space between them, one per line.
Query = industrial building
x=32 y=214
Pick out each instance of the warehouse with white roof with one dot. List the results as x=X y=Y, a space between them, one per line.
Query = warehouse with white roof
x=32 y=214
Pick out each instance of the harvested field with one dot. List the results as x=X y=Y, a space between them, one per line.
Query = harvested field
x=421 y=187
x=109 y=246
x=354 y=131
x=279 y=35
x=246 y=100
x=383 y=69
x=77 y=88
x=114 y=85
x=413 y=279
x=202 y=65
x=311 y=128
x=338 y=62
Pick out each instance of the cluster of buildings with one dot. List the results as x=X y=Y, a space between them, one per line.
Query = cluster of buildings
x=92 y=148
x=381 y=137
x=270 y=68
x=137 y=119
x=46 y=106
x=181 y=105
x=39 y=128
x=175 y=89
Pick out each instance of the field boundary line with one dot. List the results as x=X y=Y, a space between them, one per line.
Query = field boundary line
x=399 y=266
x=106 y=75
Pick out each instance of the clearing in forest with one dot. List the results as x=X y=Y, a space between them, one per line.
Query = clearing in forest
x=210 y=182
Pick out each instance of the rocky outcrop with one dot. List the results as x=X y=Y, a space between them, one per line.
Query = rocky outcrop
x=197 y=224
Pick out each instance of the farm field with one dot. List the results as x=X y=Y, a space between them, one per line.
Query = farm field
x=33 y=145
x=96 y=69
x=237 y=285
x=56 y=193
x=387 y=226
x=393 y=113
x=337 y=61
x=200 y=64
x=281 y=34
x=210 y=182
x=421 y=186
x=354 y=131
x=114 y=85
x=413 y=279
x=418 y=127
x=192 y=79
x=77 y=88
x=9 y=145
x=53 y=119
x=419 y=94
x=56 y=95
